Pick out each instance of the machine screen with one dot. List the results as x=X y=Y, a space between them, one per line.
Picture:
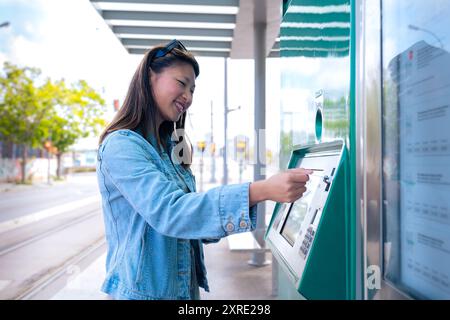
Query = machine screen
x=293 y=223
x=298 y=210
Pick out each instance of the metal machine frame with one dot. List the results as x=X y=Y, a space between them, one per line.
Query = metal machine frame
x=368 y=89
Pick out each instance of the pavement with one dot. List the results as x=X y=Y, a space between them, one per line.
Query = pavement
x=15 y=187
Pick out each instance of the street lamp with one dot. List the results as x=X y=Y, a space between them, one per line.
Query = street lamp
x=201 y=145
x=5 y=24
x=225 y=166
x=212 y=149
x=416 y=28
x=48 y=146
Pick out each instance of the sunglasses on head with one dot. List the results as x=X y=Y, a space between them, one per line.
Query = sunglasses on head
x=169 y=47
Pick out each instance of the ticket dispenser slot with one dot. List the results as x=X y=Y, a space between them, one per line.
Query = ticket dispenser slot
x=308 y=237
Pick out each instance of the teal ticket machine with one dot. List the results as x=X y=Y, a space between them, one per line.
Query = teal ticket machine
x=307 y=237
x=313 y=239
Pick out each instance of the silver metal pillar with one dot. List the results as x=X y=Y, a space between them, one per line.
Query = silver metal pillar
x=212 y=151
x=259 y=256
x=225 y=168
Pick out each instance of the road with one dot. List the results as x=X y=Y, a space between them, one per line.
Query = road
x=48 y=234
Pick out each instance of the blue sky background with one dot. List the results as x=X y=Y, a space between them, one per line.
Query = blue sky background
x=20 y=12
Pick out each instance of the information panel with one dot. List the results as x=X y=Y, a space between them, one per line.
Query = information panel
x=416 y=155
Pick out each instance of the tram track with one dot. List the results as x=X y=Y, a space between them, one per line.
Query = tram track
x=40 y=258
x=34 y=288
x=28 y=241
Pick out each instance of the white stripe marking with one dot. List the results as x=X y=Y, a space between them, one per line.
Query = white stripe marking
x=34 y=217
x=325 y=9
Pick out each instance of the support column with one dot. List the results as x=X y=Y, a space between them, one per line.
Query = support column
x=225 y=124
x=212 y=149
x=260 y=26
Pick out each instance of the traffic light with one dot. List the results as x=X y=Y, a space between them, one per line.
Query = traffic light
x=116 y=105
x=240 y=146
x=48 y=145
x=201 y=145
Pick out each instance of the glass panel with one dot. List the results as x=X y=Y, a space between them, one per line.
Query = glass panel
x=315 y=72
x=416 y=146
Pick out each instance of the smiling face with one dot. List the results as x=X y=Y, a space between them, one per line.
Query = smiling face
x=173 y=90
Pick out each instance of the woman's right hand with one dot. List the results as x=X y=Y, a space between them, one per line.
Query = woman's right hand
x=285 y=186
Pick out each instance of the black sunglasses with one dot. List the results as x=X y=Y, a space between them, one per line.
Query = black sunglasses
x=169 y=47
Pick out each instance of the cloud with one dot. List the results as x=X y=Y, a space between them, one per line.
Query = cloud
x=68 y=39
x=3 y=58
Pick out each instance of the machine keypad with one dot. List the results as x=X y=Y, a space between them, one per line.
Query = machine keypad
x=306 y=244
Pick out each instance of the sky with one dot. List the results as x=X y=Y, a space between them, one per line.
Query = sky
x=68 y=39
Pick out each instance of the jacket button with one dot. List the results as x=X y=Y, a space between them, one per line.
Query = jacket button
x=230 y=227
x=243 y=224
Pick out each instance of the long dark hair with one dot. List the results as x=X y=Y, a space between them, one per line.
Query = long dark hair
x=139 y=110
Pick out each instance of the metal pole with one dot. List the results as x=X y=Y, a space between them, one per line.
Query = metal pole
x=225 y=168
x=416 y=28
x=201 y=173
x=48 y=168
x=259 y=256
x=213 y=156
x=241 y=169
x=274 y=278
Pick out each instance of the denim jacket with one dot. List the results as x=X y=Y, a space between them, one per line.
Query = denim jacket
x=155 y=222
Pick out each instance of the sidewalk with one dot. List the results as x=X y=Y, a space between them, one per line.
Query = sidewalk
x=86 y=284
x=13 y=187
x=230 y=276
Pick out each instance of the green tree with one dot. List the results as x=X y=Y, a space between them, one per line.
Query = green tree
x=78 y=114
x=31 y=114
x=286 y=149
x=24 y=109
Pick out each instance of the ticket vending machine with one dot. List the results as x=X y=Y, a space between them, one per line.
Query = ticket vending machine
x=308 y=237
x=313 y=239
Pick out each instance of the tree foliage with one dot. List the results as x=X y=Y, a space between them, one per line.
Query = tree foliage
x=23 y=106
x=35 y=110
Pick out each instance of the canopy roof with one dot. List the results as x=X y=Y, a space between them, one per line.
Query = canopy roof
x=217 y=28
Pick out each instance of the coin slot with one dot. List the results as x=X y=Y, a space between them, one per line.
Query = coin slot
x=314 y=216
x=332 y=172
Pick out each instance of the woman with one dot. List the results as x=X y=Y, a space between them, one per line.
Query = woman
x=155 y=222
